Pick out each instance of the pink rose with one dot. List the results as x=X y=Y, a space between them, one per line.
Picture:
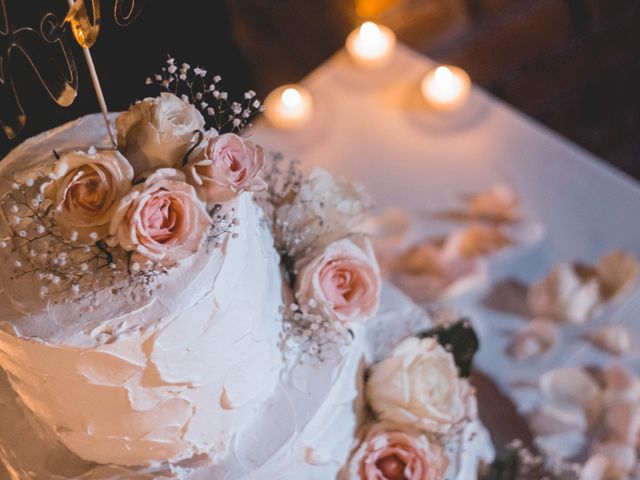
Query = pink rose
x=343 y=280
x=87 y=190
x=391 y=452
x=161 y=219
x=227 y=166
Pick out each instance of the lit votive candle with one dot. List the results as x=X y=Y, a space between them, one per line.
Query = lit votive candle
x=288 y=107
x=371 y=45
x=446 y=87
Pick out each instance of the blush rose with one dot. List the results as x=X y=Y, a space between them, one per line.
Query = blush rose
x=225 y=167
x=162 y=219
x=392 y=452
x=343 y=280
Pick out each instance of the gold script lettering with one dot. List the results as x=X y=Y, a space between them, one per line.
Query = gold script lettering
x=38 y=47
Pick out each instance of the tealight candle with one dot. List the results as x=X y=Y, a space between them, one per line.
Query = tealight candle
x=446 y=87
x=371 y=45
x=288 y=107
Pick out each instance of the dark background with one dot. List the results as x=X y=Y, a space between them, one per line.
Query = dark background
x=572 y=64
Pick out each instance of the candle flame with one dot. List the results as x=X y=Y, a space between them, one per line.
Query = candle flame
x=291 y=97
x=446 y=87
x=370 y=32
x=443 y=75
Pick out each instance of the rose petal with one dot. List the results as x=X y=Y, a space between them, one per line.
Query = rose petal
x=564 y=295
x=534 y=340
x=499 y=204
x=616 y=339
x=616 y=271
x=568 y=390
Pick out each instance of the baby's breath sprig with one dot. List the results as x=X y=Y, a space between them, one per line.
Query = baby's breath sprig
x=193 y=86
x=224 y=224
x=285 y=181
x=64 y=266
x=306 y=331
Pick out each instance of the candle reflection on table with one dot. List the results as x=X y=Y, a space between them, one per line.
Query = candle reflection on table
x=289 y=107
x=446 y=88
x=371 y=45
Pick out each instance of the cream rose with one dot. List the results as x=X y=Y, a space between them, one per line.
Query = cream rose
x=87 y=190
x=419 y=386
x=225 y=167
x=162 y=219
x=343 y=280
x=392 y=452
x=326 y=208
x=158 y=132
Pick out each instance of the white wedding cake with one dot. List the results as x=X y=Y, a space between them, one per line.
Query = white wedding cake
x=164 y=317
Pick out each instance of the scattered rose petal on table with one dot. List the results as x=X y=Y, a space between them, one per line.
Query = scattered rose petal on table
x=600 y=467
x=616 y=339
x=477 y=240
x=497 y=204
x=573 y=291
x=622 y=457
x=567 y=390
x=566 y=295
x=622 y=422
x=426 y=272
x=534 y=340
x=616 y=272
x=621 y=384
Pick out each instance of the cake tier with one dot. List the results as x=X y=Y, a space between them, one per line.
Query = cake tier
x=305 y=430
x=188 y=383
x=141 y=379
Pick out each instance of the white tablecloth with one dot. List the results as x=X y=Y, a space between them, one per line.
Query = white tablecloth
x=373 y=127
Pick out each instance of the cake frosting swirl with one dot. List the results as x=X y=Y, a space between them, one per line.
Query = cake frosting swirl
x=149 y=378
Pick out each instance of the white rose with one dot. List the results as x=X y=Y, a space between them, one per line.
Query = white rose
x=326 y=208
x=158 y=132
x=419 y=386
x=343 y=280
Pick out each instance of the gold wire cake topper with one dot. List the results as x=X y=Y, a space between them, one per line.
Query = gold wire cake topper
x=48 y=51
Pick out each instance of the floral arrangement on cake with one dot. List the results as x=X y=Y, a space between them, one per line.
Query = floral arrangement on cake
x=328 y=261
x=109 y=219
x=418 y=400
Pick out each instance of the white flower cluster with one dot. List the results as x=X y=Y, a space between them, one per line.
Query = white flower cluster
x=310 y=332
x=329 y=265
x=191 y=85
x=65 y=268
x=106 y=219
